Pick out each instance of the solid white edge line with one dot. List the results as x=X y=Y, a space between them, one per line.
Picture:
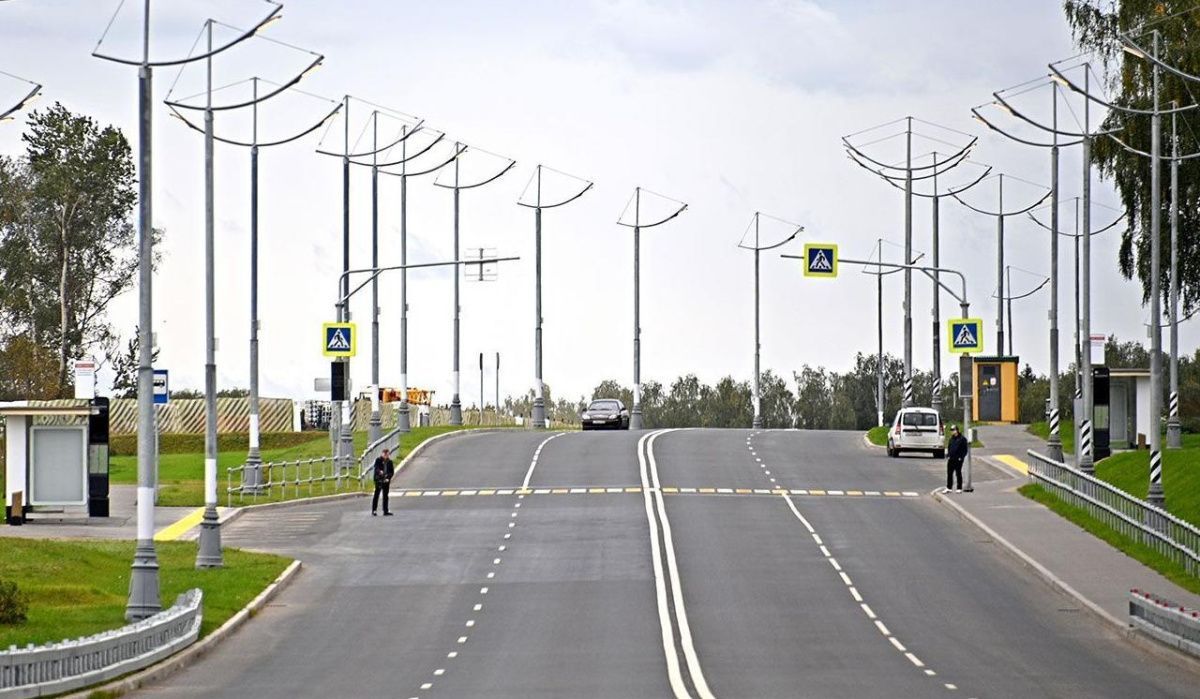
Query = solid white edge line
x=537 y=453
x=660 y=588
x=685 y=632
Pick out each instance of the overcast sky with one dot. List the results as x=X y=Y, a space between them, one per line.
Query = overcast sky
x=732 y=107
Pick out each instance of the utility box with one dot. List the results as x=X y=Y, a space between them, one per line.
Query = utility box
x=51 y=459
x=995 y=395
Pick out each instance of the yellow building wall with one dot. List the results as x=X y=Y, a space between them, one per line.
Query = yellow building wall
x=1009 y=398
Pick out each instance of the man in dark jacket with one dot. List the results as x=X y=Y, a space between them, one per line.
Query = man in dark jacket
x=956 y=452
x=383 y=470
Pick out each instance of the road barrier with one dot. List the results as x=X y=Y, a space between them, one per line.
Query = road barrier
x=55 y=668
x=1137 y=519
x=1165 y=620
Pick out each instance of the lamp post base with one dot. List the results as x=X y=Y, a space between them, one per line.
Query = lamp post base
x=635 y=418
x=402 y=418
x=143 y=583
x=756 y=423
x=252 y=472
x=456 y=413
x=539 y=414
x=209 y=555
x=1174 y=433
x=374 y=428
x=1054 y=448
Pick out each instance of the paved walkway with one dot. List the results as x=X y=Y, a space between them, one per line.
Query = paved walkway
x=1063 y=553
x=120 y=524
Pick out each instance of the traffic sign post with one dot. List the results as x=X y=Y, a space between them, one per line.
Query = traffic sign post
x=965 y=335
x=339 y=339
x=821 y=260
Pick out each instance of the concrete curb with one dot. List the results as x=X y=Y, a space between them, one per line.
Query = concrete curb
x=871 y=444
x=197 y=650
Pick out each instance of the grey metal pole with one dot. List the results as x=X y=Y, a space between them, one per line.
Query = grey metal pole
x=879 y=402
x=1083 y=444
x=346 y=427
x=481 y=388
x=1008 y=301
x=252 y=473
x=908 y=195
x=497 y=388
x=635 y=417
x=402 y=417
x=1000 y=270
x=456 y=403
x=143 y=583
x=1155 y=494
x=936 y=400
x=209 y=552
x=756 y=423
x=1054 y=442
x=968 y=484
x=539 y=399
x=1174 y=439
x=374 y=428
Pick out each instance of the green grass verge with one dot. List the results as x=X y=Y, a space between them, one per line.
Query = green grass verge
x=1134 y=549
x=1066 y=433
x=1130 y=471
x=181 y=476
x=126 y=444
x=77 y=588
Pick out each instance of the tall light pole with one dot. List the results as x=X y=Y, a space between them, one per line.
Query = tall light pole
x=908 y=173
x=458 y=186
x=635 y=417
x=879 y=274
x=252 y=473
x=539 y=397
x=1005 y=295
x=758 y=247
x=144 y=598
x=402 y=418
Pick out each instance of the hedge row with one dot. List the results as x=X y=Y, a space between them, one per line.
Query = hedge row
x=126 y=444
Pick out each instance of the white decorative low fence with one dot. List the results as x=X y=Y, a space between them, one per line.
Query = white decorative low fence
x=1165 y=620
x=37 y=671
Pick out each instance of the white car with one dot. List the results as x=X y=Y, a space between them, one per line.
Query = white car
x=917 y=429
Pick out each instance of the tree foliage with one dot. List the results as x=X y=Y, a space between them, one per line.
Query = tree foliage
x=67 y=241
x=1096 y=26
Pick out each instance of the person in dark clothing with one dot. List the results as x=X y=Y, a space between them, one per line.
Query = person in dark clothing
x=384 y=469
x=955 y=454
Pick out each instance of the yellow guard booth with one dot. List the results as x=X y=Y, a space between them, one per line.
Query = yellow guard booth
x=996 y=398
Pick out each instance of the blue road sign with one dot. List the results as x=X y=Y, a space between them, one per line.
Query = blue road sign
x=340 y=339
x=162 y=389
x=820 y=260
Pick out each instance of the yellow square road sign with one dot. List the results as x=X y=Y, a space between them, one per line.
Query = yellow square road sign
x=821 y=260
x=965 y=335
x=340 y=339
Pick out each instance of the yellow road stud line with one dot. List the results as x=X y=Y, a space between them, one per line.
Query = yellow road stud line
x=487 y=492
x=708 y=491
x=633 y=490
x=449 y=492
x=816 y=492
x=891 y=493
x=597 y=490
x=742 y=491
x=854 y=492
x=411 y=493
x=670 y=490
x=523 y=491
x=560 y=491
x=178 y=529
x=780 y=491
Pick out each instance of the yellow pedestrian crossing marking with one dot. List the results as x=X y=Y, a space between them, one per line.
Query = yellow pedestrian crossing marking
x=666 y=490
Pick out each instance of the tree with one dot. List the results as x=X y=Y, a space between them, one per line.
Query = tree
x=777 y=402
x=814 y=399
x=27 y=370
x=67 y=241
x=1095 y=26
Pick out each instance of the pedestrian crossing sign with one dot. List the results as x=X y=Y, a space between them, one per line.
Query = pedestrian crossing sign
x=966 y=335
x=340 y=339
x=820 y=260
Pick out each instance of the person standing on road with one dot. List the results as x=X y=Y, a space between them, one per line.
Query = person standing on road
x=383 y=470
x=956 y=452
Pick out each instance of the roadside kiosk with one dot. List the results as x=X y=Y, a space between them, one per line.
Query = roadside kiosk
x=56 y=457
x=996 y=396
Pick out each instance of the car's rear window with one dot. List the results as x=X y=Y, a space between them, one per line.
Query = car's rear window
x=919 y=419
x=603 y=405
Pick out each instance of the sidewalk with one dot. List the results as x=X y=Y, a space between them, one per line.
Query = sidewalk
x=120 y=524
x=1068 y=557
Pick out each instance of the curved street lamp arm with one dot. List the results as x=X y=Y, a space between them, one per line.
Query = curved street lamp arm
x=1064 y=80
x=435 y=168
x=988 y=123
x=249 y=103
x=680 y=210
x=564 y=202
x=271 y=17
x=366 y=154
x=24 y=101
x=1020 y=115
x=850 y=146
x=409 y=158
x=1025 y=295
x=785 y=241
x=261 y=144
x=511 y=163
x=1144 y=154
x=1149 y=56
x=894 y=179
x=1072 y=235
x=1018 y=212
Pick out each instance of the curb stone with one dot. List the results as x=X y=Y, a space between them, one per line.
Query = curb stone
x=199 y=649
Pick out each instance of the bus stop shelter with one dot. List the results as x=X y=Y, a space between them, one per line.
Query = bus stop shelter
x=55 y=457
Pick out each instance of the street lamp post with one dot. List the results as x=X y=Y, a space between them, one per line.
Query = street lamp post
x=457 y=186
x=539 y=398
x=757 y=422
x=144 y=600
x=635 y=417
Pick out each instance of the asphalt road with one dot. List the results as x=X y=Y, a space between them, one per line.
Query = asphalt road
x=657 y=565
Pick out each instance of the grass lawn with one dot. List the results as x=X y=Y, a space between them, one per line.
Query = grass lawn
x=181 y=476
x=1130 y=471
x=1140 y=552
x=1066 y=433
x=77 y=588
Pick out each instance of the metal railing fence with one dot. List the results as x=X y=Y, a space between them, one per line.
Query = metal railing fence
x=1136 y=519
x=290 y=479
x=54 y=668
